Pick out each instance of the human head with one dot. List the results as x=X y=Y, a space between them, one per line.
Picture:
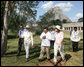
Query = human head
x=57 y=28
x=21 y=26
x=45 y=30
x=28 y=27
x=51 y=29
x=75 y=28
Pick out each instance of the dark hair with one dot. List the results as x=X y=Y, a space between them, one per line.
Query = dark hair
x=28 y=28
x=75 y=27
x=21 y=25
x=46 y=28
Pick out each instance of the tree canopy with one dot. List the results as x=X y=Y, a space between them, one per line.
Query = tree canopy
x=46 y=21
x=80 y=19
x=24 y=11
x=13 y=14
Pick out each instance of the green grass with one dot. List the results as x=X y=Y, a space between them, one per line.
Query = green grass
x=76 y=58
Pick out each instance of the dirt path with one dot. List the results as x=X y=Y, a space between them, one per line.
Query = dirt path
x=51 y=63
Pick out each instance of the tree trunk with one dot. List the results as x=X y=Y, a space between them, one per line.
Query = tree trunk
x=4 y=34
x=8 y=14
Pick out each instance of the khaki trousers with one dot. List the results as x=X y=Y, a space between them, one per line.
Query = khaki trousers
x=43 y=50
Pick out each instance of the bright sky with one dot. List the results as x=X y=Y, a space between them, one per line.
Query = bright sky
x=72 y=9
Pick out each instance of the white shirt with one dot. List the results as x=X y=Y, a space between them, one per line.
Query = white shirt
x=28 y=37
x=75 y=36
x=45 y=42
x=59 y=37
x=52 y=34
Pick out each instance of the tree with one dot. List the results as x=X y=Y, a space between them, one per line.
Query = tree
x=80 y=20
x=64 y=21
x=27 y=8
x=45 y=20
x=26 y=13
x=4 y=35
x=2 y=13
x=7 y=13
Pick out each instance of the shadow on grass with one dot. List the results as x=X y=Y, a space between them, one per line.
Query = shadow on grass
x=11 y=36
x=80 y=49
x=13 y=53
x=67 y=56
x=81 y=39
x=10 y=54
x=33 y=51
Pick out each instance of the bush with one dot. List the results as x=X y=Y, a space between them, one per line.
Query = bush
x=38 y=32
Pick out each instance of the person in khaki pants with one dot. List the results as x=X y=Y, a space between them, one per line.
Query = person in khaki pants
x=43 y=48
x=45 y=44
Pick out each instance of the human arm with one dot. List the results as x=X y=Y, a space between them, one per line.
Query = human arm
x=42 y=36
x=61 y=38
x=32 y=40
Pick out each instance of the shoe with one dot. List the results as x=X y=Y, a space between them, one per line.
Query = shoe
x=54 y=62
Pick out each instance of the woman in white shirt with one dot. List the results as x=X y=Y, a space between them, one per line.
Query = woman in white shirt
x=75 y=38
x=28 y=41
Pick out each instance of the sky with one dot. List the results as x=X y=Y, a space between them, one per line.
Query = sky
x=72 y=9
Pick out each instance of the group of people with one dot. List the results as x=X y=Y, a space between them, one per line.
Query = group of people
x=47 y=37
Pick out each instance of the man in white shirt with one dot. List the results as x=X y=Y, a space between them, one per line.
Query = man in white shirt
x=75 y=38
x=45 y=44
x=52 y=32
x=58 y=45
x=28 y=41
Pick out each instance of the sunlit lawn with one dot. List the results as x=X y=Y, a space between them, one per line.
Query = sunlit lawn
x=10 y=59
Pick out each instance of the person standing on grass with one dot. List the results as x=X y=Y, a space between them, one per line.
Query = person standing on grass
x=52 y=36
x=71 y=32
x=45 y=44
x=58 y=45
x=21 y=40
x=75 y=38
x=28 y=41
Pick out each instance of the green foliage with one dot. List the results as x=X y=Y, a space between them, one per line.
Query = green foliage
x=80 y=20
x=27 y=12
x=64 y=21
x=38 y=32
x=15 y=21
x=46 y=20
x=27 y=8
x=2 y=13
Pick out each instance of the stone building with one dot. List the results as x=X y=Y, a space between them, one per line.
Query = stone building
x=70 y=26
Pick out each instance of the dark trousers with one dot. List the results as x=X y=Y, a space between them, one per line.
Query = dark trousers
x=21 y=41
x=75 y=46
x=52 y=43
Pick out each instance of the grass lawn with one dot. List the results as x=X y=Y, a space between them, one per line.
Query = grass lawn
x=10 y=59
